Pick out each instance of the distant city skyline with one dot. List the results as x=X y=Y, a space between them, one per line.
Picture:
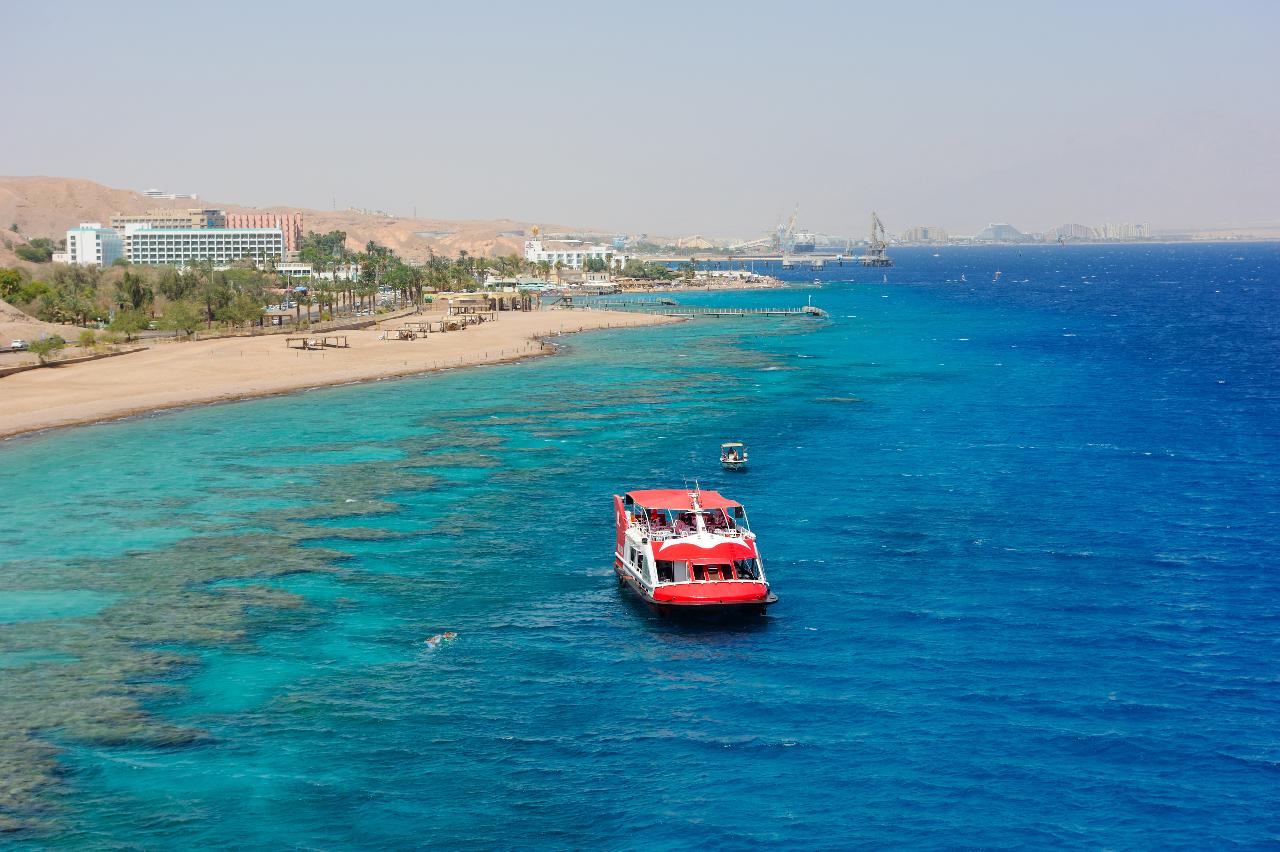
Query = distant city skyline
x=671 y=119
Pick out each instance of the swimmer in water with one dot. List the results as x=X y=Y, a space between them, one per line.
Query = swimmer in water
x=450 y=635
x=434 y=640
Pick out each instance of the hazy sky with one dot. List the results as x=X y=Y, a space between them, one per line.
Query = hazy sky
x=664 y=117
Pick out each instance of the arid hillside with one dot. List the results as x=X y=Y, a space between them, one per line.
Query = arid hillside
x=47 y=206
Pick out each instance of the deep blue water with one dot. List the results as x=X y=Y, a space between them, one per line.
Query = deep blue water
x=1025 y=536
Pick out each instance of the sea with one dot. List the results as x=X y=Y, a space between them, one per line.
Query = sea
x=1024 y=529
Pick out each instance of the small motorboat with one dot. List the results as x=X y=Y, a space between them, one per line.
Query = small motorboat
x=689 y=552
x=733 y=455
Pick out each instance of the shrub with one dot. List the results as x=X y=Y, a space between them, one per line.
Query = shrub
x=45 y=347
x=34 y=254
x=87 y=338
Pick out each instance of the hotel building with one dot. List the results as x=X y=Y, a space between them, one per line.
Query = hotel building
x=93 y=245
x=193 y=218
x=572 y=254
x=180 y=246
x=289 y=223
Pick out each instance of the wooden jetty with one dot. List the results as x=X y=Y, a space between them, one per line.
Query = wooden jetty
x=656 y=307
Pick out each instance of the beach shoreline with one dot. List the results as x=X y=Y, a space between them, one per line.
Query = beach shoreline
x=174 y=376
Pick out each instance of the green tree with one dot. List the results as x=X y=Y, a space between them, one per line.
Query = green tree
x=29 y=292
x=46 y=346
x=210 y=288
x=648 y=271
x=132 y=291
x=129 y=322
x=11 y=281
x=317 y=248
x=243 y=309
x=33 y=253
x=71 y=295
x=183 y=316
x=174 y=285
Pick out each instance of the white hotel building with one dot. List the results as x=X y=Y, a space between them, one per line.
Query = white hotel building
x=571 y=254
x=92 y=245
x=180 y=246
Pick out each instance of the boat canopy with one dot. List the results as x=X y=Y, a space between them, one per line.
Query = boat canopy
x=728 y=444
x=674 y=498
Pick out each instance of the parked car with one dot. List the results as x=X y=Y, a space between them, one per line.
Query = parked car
x=17 y=346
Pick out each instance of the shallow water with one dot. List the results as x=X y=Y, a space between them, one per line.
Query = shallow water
x=1024 y=535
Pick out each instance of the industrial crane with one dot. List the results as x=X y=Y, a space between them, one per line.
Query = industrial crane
x=875 y=255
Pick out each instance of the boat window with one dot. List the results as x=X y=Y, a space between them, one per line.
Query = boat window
x=716 y=519
x=699 y=572
x=666 y=571
x=748 y=569
x=740 y=518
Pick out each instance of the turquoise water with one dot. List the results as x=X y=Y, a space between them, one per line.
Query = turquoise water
x=1024 y=536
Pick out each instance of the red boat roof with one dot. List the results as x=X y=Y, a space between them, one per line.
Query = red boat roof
x=674 y=498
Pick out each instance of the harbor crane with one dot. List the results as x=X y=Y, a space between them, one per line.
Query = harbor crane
x=876 y=247
x=787 y=234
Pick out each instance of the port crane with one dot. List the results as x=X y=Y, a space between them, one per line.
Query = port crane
x=787 y=233
x=876 y=246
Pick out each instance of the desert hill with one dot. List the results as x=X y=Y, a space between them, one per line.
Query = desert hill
x=47 y=206
x=15 y=325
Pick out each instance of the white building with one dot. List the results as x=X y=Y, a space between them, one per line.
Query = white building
x=341 y=272
x=180 y=246
x=93 y=245
x=159 y=193
x=572 y=254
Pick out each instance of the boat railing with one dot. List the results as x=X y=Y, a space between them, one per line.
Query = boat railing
x=661 y=533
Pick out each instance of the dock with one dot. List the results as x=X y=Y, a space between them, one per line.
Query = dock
x=760 y=263
x=675 y=310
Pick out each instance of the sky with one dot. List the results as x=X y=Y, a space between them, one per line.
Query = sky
x=662 y=117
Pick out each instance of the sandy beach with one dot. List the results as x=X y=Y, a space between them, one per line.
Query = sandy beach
x=173 y=375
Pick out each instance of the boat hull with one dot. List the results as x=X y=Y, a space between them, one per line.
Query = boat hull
x=725 y=598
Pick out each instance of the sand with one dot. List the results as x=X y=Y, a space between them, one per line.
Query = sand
x=171 y=375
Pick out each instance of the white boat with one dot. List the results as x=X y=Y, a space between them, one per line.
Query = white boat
x=733 y=455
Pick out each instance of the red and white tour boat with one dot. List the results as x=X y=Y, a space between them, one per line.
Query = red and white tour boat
x=689 y=551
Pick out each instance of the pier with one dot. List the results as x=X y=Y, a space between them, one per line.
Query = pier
x=748 y=262
x=676 y=310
